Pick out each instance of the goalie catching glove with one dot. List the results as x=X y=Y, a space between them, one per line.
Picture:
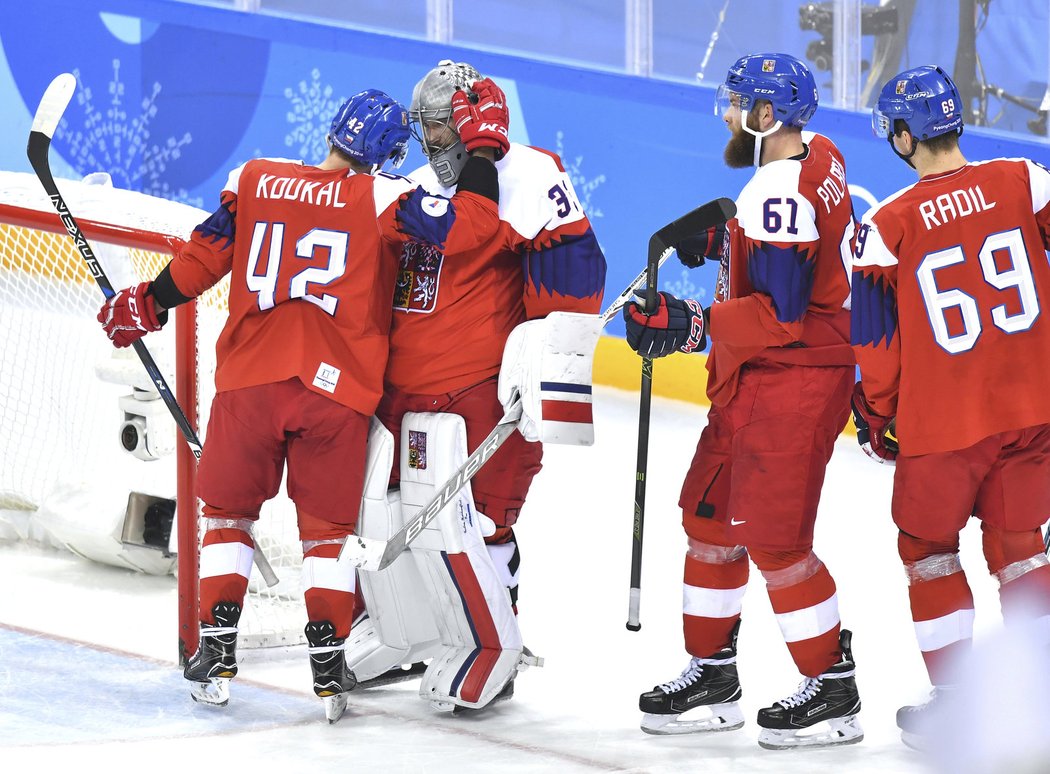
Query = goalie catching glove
x=130 y=314
x=677 y=325
x=877 y=435
x=481 y=117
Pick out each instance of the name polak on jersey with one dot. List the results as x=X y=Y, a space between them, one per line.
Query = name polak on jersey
x=954 y=205
x=298 y=190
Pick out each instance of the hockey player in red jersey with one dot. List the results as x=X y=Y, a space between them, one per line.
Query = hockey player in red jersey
x=312 y=255
x=780 y=374
x=453 y=313
x=952 y=346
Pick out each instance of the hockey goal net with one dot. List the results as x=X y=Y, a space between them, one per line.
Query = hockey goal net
x=64 y=478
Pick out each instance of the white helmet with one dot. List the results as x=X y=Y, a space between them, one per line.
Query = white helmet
x=432 y=104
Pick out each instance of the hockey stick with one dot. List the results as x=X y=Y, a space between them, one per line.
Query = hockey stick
x=661 y=245
x=52 y=105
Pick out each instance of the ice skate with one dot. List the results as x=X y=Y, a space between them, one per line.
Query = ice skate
x=333 y=680
x=215 y=661
x=821 y=713
x=918 y=722
x=702 y=699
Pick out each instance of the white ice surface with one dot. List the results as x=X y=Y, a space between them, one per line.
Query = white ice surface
x=87 y=672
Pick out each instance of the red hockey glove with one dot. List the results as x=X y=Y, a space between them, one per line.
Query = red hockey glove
x=676 y=326
x=877 y=435
x=707 y=245
x=481 y=117
x=130 y=314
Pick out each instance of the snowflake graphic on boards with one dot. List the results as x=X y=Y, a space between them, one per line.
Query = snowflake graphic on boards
x=584 y=186
x=310 y=114
x=114 y=138
x=683 y=287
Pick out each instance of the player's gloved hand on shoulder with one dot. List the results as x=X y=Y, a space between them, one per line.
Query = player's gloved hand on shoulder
x=694 y=250
x=481 y=117
x=877 y=435
x=424 y=218
x=677 y=325
x=130 y=314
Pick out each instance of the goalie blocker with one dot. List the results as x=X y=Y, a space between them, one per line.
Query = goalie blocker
x=445 y=599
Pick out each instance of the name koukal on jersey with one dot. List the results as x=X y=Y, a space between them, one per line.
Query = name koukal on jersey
x=296 y=189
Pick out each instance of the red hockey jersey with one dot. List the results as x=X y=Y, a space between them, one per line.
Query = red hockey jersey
x=455 y=308
x=313 y=257
x=783 y=291
x=948 y=285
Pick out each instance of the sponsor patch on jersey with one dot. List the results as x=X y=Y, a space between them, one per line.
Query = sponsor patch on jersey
x=417 y=449
x=769 y=65
x=418 y=278
x=327 y=377
x=434 y=206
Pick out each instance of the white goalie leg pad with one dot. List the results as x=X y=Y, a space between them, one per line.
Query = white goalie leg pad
x=549 y=363
x=400 y=627
x=481 y=643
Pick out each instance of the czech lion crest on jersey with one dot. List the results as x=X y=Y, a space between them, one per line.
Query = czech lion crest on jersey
x=418 y=278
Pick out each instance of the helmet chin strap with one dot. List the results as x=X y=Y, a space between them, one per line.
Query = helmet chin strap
x=906 y=158
x=758 y=138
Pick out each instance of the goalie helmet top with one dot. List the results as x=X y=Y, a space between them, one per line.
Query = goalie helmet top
x=780 y=79
x=432 y=107
x=925 y=97
x=371 y=127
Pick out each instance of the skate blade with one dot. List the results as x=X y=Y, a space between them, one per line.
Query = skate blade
x=394 y=676
x=334 y=707
x=828 y=733
x=711 y=718
x=914 y=741
x=214 y=693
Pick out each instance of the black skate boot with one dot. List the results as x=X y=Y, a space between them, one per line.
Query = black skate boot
x=919 y=722
x=703 y=698
x=215 y=661
x=332 y=678
x=830 y=699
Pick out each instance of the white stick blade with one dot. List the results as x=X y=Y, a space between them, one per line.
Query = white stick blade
x=53 y=104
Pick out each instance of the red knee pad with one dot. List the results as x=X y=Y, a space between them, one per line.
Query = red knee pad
x=1002 y=547
x=914 y=549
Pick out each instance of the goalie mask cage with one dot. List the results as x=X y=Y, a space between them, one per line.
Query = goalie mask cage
x=59 y=422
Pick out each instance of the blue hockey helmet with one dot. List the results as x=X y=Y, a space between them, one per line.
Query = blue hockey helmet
x=371 y=127
x=925 y=97
x=781 y=79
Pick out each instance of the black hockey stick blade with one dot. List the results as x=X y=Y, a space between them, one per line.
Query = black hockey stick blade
x=667 y=239
x=705 y=216
x=52 y=105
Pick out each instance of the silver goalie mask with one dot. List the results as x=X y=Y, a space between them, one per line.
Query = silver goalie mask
x=431 y=116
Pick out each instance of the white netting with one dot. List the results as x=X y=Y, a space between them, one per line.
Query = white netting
x=59 y=422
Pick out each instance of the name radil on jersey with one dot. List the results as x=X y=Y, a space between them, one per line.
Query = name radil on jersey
x=954 y=205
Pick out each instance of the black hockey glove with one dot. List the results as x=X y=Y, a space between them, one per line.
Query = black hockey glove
x=695 y=249
x=676 y=326
x=877 y=435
